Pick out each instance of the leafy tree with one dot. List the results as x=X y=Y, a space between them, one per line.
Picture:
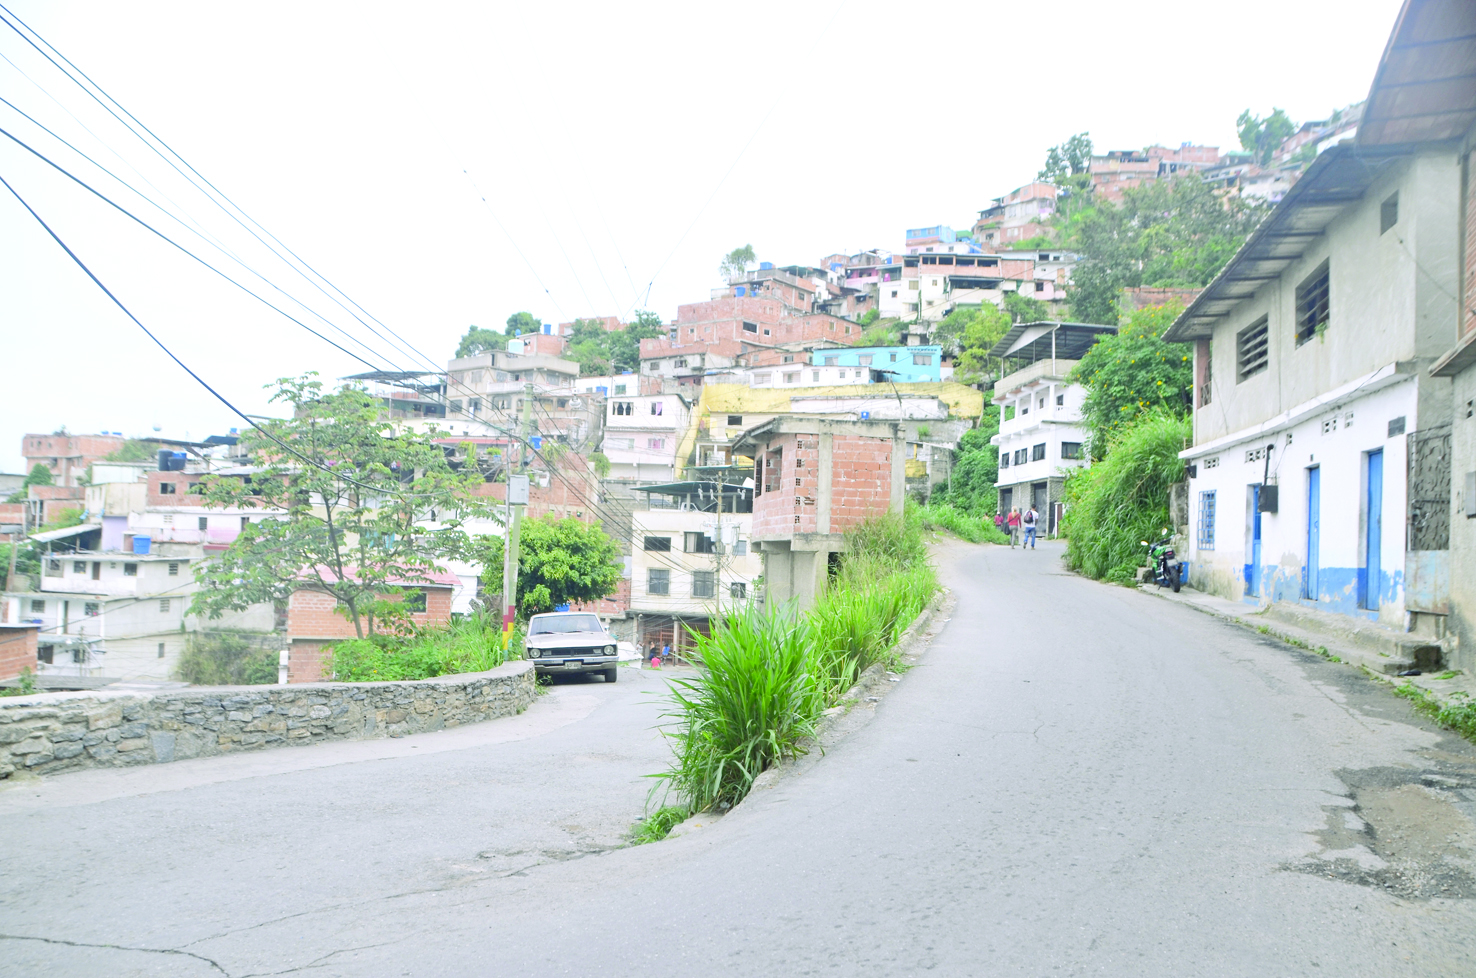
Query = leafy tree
x=362 y=509
x=1073 y=158
x=1133 y=372
x=1263 y=136
x=599 y=351
x=1023 y=309
x=39 y=475
x=559 y=561
x=869 y=316
x=134 y=450
x=736 y=262
x=625 y=346
x=1176 y=233
x=975 y=469
x=478 y=340
x=589 y=346
x=970 y=332
x=522 y=322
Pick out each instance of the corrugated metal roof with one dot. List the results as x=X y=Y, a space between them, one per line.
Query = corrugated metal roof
x=71 y=531
x=1425 y=86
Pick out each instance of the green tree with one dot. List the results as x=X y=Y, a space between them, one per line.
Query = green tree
x=1170 y=233
x=970 y=332
x=134 y=450
x=736 y=262
x=589 y=346
x=360 y=508
x=1073 y=158
x=522 y=322
x=625 y=345
x=1263 y=136
x=1132 y=372
x=478 y=340
x=559 y=561
x=39 y=475
x=1023 y=309
x=975 y=469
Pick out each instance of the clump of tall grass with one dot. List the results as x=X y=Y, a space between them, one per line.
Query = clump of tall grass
x=1123 y=499
x=767 y=676
x=751 y=704
x=944 y=516
x=472 y=643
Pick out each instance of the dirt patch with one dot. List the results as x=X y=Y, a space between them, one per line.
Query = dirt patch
x=1408 y=832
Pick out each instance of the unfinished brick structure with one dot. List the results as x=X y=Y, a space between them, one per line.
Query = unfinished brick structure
x=813 y=480
x=313 y=622
x=68 y=456
x=17 y=648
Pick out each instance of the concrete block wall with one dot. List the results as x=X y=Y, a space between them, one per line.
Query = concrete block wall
x=55 y=732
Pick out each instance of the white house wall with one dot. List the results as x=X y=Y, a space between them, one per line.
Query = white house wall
x=1341 y=453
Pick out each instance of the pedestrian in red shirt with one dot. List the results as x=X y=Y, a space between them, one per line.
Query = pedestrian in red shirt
x=1013 y=522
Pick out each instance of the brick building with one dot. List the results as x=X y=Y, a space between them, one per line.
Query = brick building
x=68 y=456
x=313 y=622
x=17 y=648
x=813 y=480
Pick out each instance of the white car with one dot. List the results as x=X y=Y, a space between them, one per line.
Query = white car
x=571 y=641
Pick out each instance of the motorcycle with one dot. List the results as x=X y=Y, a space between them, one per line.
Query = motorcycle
x=1167 y=571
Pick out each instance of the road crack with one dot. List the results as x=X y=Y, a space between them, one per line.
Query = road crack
x=116 y=947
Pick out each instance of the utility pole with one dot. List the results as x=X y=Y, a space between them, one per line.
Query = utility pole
x=517 y=501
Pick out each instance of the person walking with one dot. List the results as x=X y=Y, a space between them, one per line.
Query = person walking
x=1012 y=522
x=999 y=520
x=1030 y=520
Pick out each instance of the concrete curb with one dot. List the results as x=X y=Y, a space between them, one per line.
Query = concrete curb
x=1370 y=663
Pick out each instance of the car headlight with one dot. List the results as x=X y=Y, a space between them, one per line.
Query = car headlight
x=532 y=653
x=609 y=650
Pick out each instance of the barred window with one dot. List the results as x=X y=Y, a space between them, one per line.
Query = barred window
x=1207 y=520
x=1312 y=305
x=658 y=582
x=704 y=584
x=657 y=543
x=163 y=604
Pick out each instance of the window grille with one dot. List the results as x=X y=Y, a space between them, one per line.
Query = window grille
x=163 y=604
x=658 y=581
x=1207 y=520
x=658 y=543
x=1312 y=305
x=704 y=584
x=1251 y=349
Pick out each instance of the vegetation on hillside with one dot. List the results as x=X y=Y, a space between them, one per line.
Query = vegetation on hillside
x=1135 y=371
x=600 y=351
x=226 y=659
x=472 y=643
x=1124 y=498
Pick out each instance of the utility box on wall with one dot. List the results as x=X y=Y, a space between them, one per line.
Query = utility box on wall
x=1268 y=499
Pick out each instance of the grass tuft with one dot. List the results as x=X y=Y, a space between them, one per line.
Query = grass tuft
x=658 y=824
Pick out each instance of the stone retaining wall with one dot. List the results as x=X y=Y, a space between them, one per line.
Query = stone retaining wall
x=53 y=732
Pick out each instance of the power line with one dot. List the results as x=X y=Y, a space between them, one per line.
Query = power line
x=511 y=240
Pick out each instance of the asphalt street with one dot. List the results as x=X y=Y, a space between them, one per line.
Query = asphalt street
x=1076 y=779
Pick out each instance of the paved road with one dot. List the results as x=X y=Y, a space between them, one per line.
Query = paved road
x=1077 y=779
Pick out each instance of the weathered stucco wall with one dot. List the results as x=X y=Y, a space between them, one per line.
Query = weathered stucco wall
x=55 y=732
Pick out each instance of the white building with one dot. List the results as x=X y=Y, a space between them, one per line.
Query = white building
x=1319 y=434
x=642 y=434
x=690 y=562
x=1041 y=437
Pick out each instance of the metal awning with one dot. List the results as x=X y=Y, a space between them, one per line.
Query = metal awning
x=1425 y=86
x=696 y=489
x=1049 y=340
x=63 y=534
x=1335 y=179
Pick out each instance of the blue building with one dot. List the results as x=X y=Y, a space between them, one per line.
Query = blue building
x=907 y=364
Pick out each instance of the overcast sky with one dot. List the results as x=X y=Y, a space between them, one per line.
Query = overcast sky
x=622 y=147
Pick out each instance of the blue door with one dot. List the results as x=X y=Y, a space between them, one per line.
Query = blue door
x=1373 y=566
x=1253 y=569
x=1314 y=531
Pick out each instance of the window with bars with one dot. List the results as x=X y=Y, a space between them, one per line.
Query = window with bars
x=1312 y=305
x=658 y=543
x=1251 y=349
x=658 y=581
x=1207 y=520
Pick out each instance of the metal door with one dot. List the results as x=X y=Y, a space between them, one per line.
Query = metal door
x=1314 y=531
x=1253 y=569
x=1374 y=529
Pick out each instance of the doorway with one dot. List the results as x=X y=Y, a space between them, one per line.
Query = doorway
x=1373 y=531
x=1310 y=582
x=1253 y=540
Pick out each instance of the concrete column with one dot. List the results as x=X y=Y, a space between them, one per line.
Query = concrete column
x=899 y=471
x=822 y=503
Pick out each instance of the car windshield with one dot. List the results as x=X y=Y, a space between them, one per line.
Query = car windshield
x=564 y=625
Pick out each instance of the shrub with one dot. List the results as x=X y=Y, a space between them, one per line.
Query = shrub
x=943 y=516
x=227 y=659
x=1123 y=499
x=470 y=644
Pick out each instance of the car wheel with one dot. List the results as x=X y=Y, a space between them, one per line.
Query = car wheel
x=612 y=674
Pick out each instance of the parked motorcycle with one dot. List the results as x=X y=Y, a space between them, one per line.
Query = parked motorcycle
x=1167 y=571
